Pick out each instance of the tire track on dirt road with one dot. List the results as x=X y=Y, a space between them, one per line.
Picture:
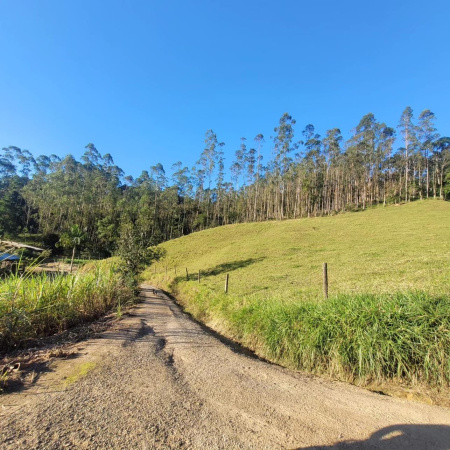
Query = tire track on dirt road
x=160 y=380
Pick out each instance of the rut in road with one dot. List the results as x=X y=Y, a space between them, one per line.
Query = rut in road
x=162 y=381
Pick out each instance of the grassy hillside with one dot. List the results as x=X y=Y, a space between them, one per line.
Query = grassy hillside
x=389 y=274
x=378 y=250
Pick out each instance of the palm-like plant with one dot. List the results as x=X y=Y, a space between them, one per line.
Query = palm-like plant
x=72 y=239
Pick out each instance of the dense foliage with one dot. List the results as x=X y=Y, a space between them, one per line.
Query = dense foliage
x=312 y=176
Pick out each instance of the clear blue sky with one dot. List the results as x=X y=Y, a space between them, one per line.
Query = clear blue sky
x=144 y=80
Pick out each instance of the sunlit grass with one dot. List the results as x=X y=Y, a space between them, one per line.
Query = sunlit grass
x=389 y=273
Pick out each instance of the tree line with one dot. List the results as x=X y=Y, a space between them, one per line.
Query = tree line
x=311 y=176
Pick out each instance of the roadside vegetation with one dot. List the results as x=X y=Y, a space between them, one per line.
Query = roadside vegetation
x=387 y=317
x=34 y=305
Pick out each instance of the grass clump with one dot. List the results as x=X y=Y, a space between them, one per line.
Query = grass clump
x=360 y=338
x=36 y=305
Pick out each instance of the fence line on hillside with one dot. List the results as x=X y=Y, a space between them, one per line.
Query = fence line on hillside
x=227 y=277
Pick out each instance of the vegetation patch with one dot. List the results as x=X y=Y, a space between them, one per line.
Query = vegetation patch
x=361 y=338
x=35 y=305
x=80 y=371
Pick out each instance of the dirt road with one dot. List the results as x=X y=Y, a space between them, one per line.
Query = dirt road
x=159 y=380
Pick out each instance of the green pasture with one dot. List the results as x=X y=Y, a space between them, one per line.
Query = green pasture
x=388 y=314
x=380 y=250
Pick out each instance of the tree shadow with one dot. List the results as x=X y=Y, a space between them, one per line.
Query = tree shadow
x=397 y=437
x=213 y=271
x=234 y=346
x=222 y=268
x=31 y=372
x=230 y=266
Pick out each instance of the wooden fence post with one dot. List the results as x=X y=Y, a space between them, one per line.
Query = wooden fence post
x=325 y=280
x=187 y=274
x=175 y=270
x=226 y=284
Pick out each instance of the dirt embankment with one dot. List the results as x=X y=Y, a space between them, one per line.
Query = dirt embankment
x=160 y=380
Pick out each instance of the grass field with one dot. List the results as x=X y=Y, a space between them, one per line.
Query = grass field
x=389 y=274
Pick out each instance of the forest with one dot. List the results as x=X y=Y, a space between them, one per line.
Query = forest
x=48 y=198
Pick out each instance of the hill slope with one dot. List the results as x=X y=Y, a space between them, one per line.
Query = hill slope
x=378 y=250
x=389 y=272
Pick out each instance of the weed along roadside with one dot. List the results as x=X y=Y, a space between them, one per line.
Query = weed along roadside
x=34 y=305
x=380 y=321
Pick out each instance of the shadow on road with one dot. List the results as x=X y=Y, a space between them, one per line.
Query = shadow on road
x=398 y=437
x=234 y=346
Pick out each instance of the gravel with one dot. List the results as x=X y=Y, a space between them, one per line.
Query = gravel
x=160 y=380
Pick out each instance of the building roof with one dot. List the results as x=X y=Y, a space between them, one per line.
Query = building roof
x=9 y=257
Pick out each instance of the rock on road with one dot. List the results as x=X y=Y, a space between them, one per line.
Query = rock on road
x=160 y=380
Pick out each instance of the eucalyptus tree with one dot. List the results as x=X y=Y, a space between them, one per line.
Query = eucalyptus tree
x=441 y=166
x=237 y=169
x=312 y=163
x=208 y=161
x=250 y=182
x=427 y=134
x=384 y=156
x=364 y=140
x=210 y=155
x=7 y=167
x=259 y=140
x=91 y=156
x=220 y=190
x=283 y=146
x=180 y=178
x=198 y=181
x=331 y=145
x=408 y=130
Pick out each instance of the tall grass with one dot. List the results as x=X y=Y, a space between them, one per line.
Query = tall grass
x=34 y=305
x=362 y=338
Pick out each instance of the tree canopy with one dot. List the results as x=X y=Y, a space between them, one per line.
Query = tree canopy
x=310 y=176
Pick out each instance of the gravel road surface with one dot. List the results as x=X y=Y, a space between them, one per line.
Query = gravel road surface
x=160 y=380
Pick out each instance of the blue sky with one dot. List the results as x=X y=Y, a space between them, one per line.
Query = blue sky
x=145 y=80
